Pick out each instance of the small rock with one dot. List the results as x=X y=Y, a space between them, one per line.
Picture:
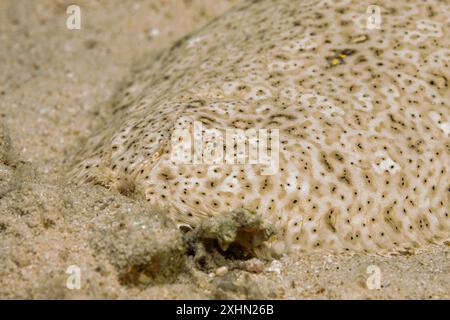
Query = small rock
x=221 y=271
x=253 y=265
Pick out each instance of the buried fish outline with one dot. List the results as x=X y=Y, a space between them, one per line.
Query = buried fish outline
x=364 y=153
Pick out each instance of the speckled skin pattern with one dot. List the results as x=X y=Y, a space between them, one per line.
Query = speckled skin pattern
x=362 y=114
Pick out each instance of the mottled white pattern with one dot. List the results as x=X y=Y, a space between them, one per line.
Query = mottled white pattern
x=364 y=138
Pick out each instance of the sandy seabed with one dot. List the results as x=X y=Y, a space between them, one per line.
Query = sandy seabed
x=53 y=82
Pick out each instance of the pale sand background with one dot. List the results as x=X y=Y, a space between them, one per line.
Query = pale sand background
x=53 y=82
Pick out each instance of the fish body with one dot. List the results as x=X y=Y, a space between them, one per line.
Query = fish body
x=363 y=148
